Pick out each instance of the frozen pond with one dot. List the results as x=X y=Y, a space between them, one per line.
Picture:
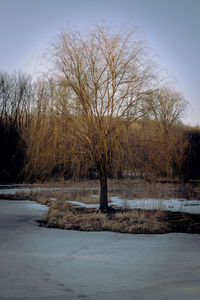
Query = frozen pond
x=43 y=263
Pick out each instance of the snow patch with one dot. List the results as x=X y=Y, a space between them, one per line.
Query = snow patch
x=81 y=204
x=182 y=205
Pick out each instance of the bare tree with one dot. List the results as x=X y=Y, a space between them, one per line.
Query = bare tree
x=167 y=107
x=107 y=78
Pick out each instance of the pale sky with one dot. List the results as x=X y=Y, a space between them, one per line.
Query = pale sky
x=170 y=27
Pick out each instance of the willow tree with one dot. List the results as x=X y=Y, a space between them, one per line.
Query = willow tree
x=109 y=78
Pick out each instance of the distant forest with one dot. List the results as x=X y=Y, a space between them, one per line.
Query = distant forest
x=35 y=144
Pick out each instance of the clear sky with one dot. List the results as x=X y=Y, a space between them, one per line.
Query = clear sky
x=170 y=27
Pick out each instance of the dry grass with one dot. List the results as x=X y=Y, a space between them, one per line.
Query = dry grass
x=87 y=196
x=16 y=196
x=84 y=196
x=87 y=191
x=162 y=189
x=65 y=216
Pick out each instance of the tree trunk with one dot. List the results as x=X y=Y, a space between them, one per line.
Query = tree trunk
x=103 y=193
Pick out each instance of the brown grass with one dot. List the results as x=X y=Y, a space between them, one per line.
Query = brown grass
x=16 y=196
x=65 y=216
x=84 y=196
x=162 y=189
x=87 y=191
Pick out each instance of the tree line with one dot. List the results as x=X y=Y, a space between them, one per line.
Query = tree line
x=99 y=107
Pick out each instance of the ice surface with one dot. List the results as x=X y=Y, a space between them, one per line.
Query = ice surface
x=41 y=263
